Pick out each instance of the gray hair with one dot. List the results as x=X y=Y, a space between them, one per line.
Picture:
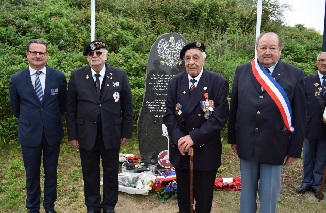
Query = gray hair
x=36 y=41
x=322 y=53
x=280 y=44
x=204 y=55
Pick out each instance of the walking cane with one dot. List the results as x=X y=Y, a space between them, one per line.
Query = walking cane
x=191 y=152
x=322 y=184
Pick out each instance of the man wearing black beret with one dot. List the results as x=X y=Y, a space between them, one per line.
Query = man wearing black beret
x=196 y=112
x=99 y=121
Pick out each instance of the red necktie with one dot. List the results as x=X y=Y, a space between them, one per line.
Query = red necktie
x=192 y=86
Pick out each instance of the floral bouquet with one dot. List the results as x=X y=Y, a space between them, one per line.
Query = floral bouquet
x=231 y=184
x=165 y=186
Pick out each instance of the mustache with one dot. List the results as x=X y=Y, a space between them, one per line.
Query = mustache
x=96 y=59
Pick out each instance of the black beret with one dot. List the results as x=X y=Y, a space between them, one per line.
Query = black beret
x=94 y=45
x=193 y=45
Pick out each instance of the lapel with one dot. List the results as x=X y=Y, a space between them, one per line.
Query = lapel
x=278 y=72
x=317 y=90
x=108 y=81
x=90 y=81
x=254 y=81
x=29 y=84
x=197 y=94
x=48 y=80
x=316 y=80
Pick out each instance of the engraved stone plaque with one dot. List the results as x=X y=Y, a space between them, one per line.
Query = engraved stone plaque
x=163 y=63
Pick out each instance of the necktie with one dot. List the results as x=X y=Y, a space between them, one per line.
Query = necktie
x=38 y=86
x=192 y=86
x=269 y=72
x=97 y=84
x=323 y=85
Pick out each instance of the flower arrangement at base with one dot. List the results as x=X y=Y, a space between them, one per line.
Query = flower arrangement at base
x=230 y=184
x=165 y=186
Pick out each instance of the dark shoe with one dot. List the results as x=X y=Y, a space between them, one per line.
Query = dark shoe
x=303 y=189
x=51 y=211
x=317 y=192
x=110 y=211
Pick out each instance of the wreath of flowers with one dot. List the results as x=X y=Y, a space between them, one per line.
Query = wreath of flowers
x=230 y=186
x=165 y=186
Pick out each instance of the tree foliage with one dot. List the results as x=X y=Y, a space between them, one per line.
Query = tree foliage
x=130 y=28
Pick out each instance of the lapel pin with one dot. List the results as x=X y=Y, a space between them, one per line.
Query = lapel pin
x=184 y=92
x=205 y=88
x=108 y=85
x=87 y=77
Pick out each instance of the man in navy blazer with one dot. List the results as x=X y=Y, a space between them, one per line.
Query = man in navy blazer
x=99 y=121
x=261 y=131
x=195 y=118
x=40 y=128
x=314 y=145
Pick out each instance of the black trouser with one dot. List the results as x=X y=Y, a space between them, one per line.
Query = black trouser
x=90 y=161
x=203 y=190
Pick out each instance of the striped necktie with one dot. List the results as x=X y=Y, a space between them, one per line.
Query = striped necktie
x=323 y=85
x=192 y=86
x=38 y=86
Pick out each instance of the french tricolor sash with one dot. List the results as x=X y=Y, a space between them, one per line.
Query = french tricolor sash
x=276 y=92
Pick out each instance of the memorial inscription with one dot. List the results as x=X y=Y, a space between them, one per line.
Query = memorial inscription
x=163 y=64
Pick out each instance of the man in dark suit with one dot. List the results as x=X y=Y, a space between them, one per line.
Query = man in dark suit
x=38 y=100
x=196 y=112
x=99 y=121
x=314 y=145
x=266 y=123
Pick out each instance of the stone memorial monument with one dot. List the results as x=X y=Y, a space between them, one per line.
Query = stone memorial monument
x=163 y=63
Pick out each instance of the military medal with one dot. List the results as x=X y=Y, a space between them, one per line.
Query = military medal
x=318 y=90
x=178 y=108
x=116 y=96
x=207 y=106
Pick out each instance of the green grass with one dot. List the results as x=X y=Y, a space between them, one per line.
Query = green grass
x=70 y=186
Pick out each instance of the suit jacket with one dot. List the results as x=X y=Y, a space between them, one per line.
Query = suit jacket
x=316 y=128
x=36 y=117
x=255 y=122
x=83 y=108
x=204 y=132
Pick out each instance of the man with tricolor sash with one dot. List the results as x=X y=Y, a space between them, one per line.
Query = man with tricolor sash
x=267 y=122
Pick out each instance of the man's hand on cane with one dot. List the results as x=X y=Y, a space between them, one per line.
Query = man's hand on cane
x=184 y=143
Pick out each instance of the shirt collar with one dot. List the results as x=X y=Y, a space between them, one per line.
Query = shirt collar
x=320 y=76
x=197 y=77
x=32 y=71
x=102 y=72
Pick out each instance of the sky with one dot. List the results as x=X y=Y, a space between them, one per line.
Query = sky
x=310 y=13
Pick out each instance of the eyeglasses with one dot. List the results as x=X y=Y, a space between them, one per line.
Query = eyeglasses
x=264 y=49
x=34 y=53
x=97 y=53
x=321 y=60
